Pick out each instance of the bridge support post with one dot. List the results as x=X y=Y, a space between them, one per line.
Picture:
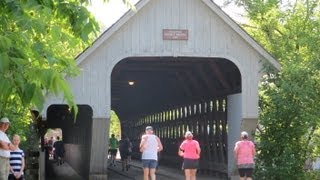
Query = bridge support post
x=234 y=127
x=236 y=124
x=98 y=159
x=42 y=165
x=249 y=125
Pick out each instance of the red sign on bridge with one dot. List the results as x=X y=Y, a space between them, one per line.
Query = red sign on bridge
x=175 y=34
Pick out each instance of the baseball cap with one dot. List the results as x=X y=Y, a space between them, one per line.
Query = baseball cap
x=149 y=128
x=188 y=133
x=244 y=134
x=4 y=120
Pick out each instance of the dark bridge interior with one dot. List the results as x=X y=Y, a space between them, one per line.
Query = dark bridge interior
x=165 y=82
x=175 y=94
x=76 y=134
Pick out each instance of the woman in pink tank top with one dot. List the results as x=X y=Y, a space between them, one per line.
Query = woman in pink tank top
x=244 y=152
x=190 y=151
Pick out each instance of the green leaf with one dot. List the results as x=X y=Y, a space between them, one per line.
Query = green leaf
x=38 y=99
x=28 y=92
x=46 y=77
x=5 y=88
x=4 y=62
x=5 y=43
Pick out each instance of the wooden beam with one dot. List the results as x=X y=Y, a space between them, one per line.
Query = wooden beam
x=204 y=77
x=214 y=66
x=183 y=84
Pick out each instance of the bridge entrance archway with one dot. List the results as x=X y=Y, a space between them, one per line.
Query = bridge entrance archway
x=176 y=94
x=76 y=133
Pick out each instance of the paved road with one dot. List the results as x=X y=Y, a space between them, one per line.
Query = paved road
x=135 y=172
x=62 y=172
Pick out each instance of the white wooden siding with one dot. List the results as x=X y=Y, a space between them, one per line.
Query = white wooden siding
x=141 y=35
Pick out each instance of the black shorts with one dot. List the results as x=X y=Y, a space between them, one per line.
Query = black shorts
x=11 y=177
x=245 y=172
x=113 y=152
x=190 y=164
x=124 y=155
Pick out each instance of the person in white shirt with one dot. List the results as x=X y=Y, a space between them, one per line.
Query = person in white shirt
x=5 y=148
x=150 y=145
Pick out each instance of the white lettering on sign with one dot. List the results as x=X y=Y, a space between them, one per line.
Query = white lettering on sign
x=175 y=34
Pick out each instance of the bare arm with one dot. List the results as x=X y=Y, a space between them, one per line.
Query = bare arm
x=4 y=145
x=198 y=149
x=142 y=143
x=7 y=146
x=253 y=150
x=11 y=170
x=22 y=165
x=180 y=152
x=160 y=147
x=235 y=152
x=11 y=147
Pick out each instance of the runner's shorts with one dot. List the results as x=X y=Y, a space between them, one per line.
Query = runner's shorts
x=190 y=163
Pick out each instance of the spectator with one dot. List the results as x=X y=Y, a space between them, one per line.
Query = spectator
x=17 y=162
x=150 y=145
x=244 y=152
x=5 y=147
x=190 y=151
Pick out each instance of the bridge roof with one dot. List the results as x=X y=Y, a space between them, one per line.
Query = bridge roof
x=214 y=7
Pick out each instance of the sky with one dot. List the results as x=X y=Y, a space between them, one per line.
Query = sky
x=109 y=13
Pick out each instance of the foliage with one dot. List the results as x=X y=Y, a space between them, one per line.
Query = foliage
x=313 y=174
x=38 y=42
x=290 y=99
x=115 y=126
x=288 y=118
x=20 y=119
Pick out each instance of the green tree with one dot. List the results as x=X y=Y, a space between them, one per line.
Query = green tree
x=39 y=40
x=289 y=99
x=115 y=126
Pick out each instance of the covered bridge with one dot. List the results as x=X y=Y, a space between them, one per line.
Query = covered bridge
x=174 y=64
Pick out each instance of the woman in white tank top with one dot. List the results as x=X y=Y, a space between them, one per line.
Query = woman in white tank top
x=150 y=148
x=150 y=145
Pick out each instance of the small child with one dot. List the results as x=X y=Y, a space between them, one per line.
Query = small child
x=17 y=162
